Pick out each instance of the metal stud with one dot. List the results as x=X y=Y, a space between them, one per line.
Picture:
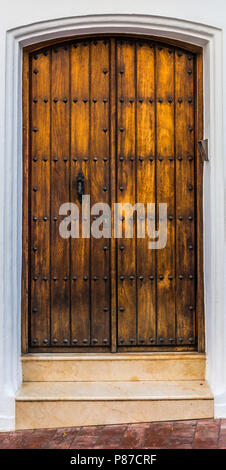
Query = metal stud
x=190 y=129
x=179 y=54
x=85 y=101
x=151 y=340
x=55 y=159
x=170 y=100
x=45 y=159
x=171 y=159
x=85 y=341
x=105 y=248
x=131 y=278
x=55 y=50
x=105 y=188
x=35 y=100
x=65 y=159
x=181 y=276
x=141 y=340
x=105 y=71
x=132 y=340
x=122 y=247
x=35 y=159
x=160 y=100
x=35 y=57
x=121 y=340
x=105 y=340
x=122 y=278
x=65 y=341
x=45 y=53
x=121 y=159
x=35 y=248
x=121 y=309
x=95 y=278
x=65 y=278
x=55 y=278
x=160 y=159
x=45 y=218
x=94 y=100
x=161 y=277
x=189 y=100
x=35 y=341
x=55 y=219
x=85 y=159
x=105 y=130
x=105 y=100
x=161 y=340
x=131 y=100
x=131 y=159
x=189 y=57
x=75 y=159
x=190 y=247
x=151 y=277
x=35 y=278
x=75 y=100
x=190 y=217
x=190 y=158
x=121 y=188
x=95 y=159
x=140 y=100
x=45 y=100
x=45 y=341
x=151 y=159
x=35 y=129
x=180 y=217
x=35 y=218
x=105 y=309
x=95 y=341
x=170 y=217
x=105 y=278
x=141 y=278
x=74 y=278
x=105 y=159
x=171 y=340
x=189 y=72
x=141 y=159
x=191 y=339
x=180 y=340
x=170 y=278
x=34 y=310
x=55 y=341
x=151 y=100
x=35 y=71
x=121 y=129
x=180 y=158
x=121 y=100
x=85 y=278
x=65 y=100
x=55 y=100
x=180 y=100
x=190 y=187
x=75 y=341
x=191 y=276
x=121 y=71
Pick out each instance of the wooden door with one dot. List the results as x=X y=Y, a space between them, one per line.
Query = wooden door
x=125 y=115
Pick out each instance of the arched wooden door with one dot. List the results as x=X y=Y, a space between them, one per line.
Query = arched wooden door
x=124 y=113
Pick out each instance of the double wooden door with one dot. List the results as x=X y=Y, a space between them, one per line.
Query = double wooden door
x=121 y=112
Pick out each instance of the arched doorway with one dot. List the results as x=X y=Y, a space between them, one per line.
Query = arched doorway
x=122 y=112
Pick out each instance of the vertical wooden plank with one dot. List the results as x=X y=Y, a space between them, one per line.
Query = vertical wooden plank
x=60 y=266
x=25 y=285
x=165 y=193
x=200 y=320
x=100 y=189
x=146 y=292
x=185 y=203
x=40 y=203
x=80 y=247
x=125 y=190
x=113 y=182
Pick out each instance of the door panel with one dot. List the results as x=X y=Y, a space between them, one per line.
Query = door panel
x=121 y=113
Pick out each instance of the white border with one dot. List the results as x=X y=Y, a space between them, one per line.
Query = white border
x=211 y=40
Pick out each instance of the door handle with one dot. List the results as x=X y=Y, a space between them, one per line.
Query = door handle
x=80 y=185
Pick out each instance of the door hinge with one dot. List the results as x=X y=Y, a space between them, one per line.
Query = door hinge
x=203 y=148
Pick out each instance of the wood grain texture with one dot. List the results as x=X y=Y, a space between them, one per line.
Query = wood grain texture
x=127 y=112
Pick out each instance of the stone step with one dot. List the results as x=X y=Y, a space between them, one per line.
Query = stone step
x=65 y=404
x=113 y=367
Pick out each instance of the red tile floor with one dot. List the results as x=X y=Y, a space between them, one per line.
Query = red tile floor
x=196 y=434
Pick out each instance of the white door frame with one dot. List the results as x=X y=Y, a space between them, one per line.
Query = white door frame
x=210 y=39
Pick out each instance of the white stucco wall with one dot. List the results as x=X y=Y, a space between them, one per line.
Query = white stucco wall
x=14 y=14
